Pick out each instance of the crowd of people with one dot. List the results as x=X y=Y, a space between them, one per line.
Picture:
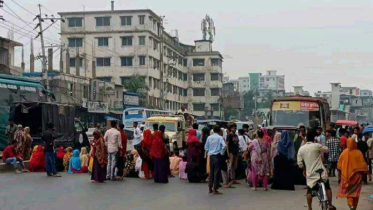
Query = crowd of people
x=221 y=156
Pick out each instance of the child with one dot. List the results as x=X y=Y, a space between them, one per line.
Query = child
x=182 y=166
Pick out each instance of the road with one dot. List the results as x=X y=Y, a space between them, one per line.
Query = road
x=35 y=191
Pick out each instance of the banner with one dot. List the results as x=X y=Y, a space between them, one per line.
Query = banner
x=131 y=99
x=295 y=105
x=95 y=90
x=109 y=88
x=96 y=107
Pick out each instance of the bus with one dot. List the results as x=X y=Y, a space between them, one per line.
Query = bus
x=139 y=115
x=293 y=111
x=15 y=90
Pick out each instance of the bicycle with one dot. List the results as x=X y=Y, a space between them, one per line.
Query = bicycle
x=321 y=192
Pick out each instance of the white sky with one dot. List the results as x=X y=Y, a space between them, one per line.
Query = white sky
x=310 y=42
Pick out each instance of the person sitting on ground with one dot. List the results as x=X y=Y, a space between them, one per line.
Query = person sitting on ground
x=194 y=172
x=84 y=159
x=59 y=159
x=10 y=156
x=75 y=164
x=37 y=161
x=174 y=164
x=182 y=166
x=66 y=157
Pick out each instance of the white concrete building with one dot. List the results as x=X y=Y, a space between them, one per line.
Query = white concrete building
x=244 y=84
x=365 y=92
x=126 y=43
x=7 y=56
x=272 y=81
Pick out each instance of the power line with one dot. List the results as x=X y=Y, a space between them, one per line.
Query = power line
x=17 y=16
x=23 y=8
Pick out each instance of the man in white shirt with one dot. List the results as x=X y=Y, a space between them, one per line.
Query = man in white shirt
x=136 y=135
x=113 y=141
x=182 y=110
x=309 y=158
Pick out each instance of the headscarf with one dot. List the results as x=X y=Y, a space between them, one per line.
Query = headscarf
x=75 y=162
x=67 y=156
x=83 y=156
x=99 y=148
x=19 y=134
x=27 y=132
x=158 y=149
x=286 y=146
x=148 y=138
x=274 y=150
x=266 y=136
x=37 y=161
x=192 y=136
x=37 y=151
x=60 y=152
x=33 y=151
x=350 y=162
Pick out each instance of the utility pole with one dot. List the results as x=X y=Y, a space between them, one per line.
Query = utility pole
x=43 y=57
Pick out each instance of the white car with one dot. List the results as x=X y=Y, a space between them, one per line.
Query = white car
x=90 y=133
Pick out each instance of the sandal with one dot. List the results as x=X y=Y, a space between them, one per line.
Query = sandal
x=57 y=175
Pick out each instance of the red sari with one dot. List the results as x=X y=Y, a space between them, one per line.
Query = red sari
x=194 y=146
x=146 y=144
x=37 y=162
x=161 y=162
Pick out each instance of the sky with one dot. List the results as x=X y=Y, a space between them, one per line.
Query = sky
x=311 y=42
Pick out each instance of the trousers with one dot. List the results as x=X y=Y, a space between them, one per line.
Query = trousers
x=13 y=160
x=215 y=172
x=112 y=162
x=50 y=164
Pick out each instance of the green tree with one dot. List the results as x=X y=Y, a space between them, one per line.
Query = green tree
x=249 y=103
x=137 y=84
x=229 y=112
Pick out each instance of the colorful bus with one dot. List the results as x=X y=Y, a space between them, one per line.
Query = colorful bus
x=139 y=115
x=296 y=110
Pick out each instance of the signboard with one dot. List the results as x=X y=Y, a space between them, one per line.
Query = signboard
x=131 y=99
x=95 y=90
x=96 y=107
x=109 y=88
x=295 y=105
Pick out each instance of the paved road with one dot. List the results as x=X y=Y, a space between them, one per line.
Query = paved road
x=35 y=191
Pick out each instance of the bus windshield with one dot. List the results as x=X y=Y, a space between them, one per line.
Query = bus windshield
x=293 y=113
x=170 y=126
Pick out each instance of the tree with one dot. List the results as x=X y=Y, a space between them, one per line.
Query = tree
x=230 y=112
x=137 y=84
x=249 y=103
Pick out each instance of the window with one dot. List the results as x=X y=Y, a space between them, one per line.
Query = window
x=185 y=62
x=175 y=89
x=150 y=82
x=142 y=60
x=104 y=79
x=126 y=61
x=185 y=77
x=180 y=61
x=155 y=45
x=198 y=77
x=103 y=61
x=142 y=40
x=174 y=73
x=215 y=62
x=180 y=91
x=141 y=19
x=75 y=22
x=267 y=80
x=126 y=20
x=198 y=107
x=124 y=80
x=127 y=41
x=215 y=92
x=75 y=42
x=102 y=21
x=169 y=88
x=72 y=62
x=244 y=86
x=198 y=62
x=198 y=91
x=180 y=75
x=103 y=42
x=214 y=76
x=215 y=107
x=185 y=92
x=154 y=25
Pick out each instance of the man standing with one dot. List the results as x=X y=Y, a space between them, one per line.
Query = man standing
x=343 y=139
x=370 y=152
x=215 y=147
x=334 y=150
x=48 y=138
x=136 y=136
x=10 y=156
x=199 y=134
x=320 y=136
x=113 y=141
x=10 y=130
x=232 y=151
x=122 y=152
x=309 y=158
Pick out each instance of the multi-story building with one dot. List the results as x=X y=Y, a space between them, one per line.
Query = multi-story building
x=350 y=91
x=273 y=82
x=365 y=92
x=244 y=84
x=121 y=44
x=7 y=64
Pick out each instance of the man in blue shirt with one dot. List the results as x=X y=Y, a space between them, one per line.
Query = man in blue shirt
x=215 y=146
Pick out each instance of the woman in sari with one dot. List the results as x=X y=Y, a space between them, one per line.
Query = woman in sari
x=260 y=160
x=26 y=150
x=59 y=159
x=266 y=135
x=352 y=166
x=194 y=146
x=66 y=158
x=274 y=150
x=84 y=159
x=161 y=163
x=147 y=164
x=75 y=164
x=19 y=136
x=37 y=161
x=283 y=176
x=99 y=154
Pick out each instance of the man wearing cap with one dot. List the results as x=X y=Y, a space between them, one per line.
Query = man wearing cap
x=48 y=138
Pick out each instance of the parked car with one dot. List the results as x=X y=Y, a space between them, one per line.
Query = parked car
x=90 y=133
